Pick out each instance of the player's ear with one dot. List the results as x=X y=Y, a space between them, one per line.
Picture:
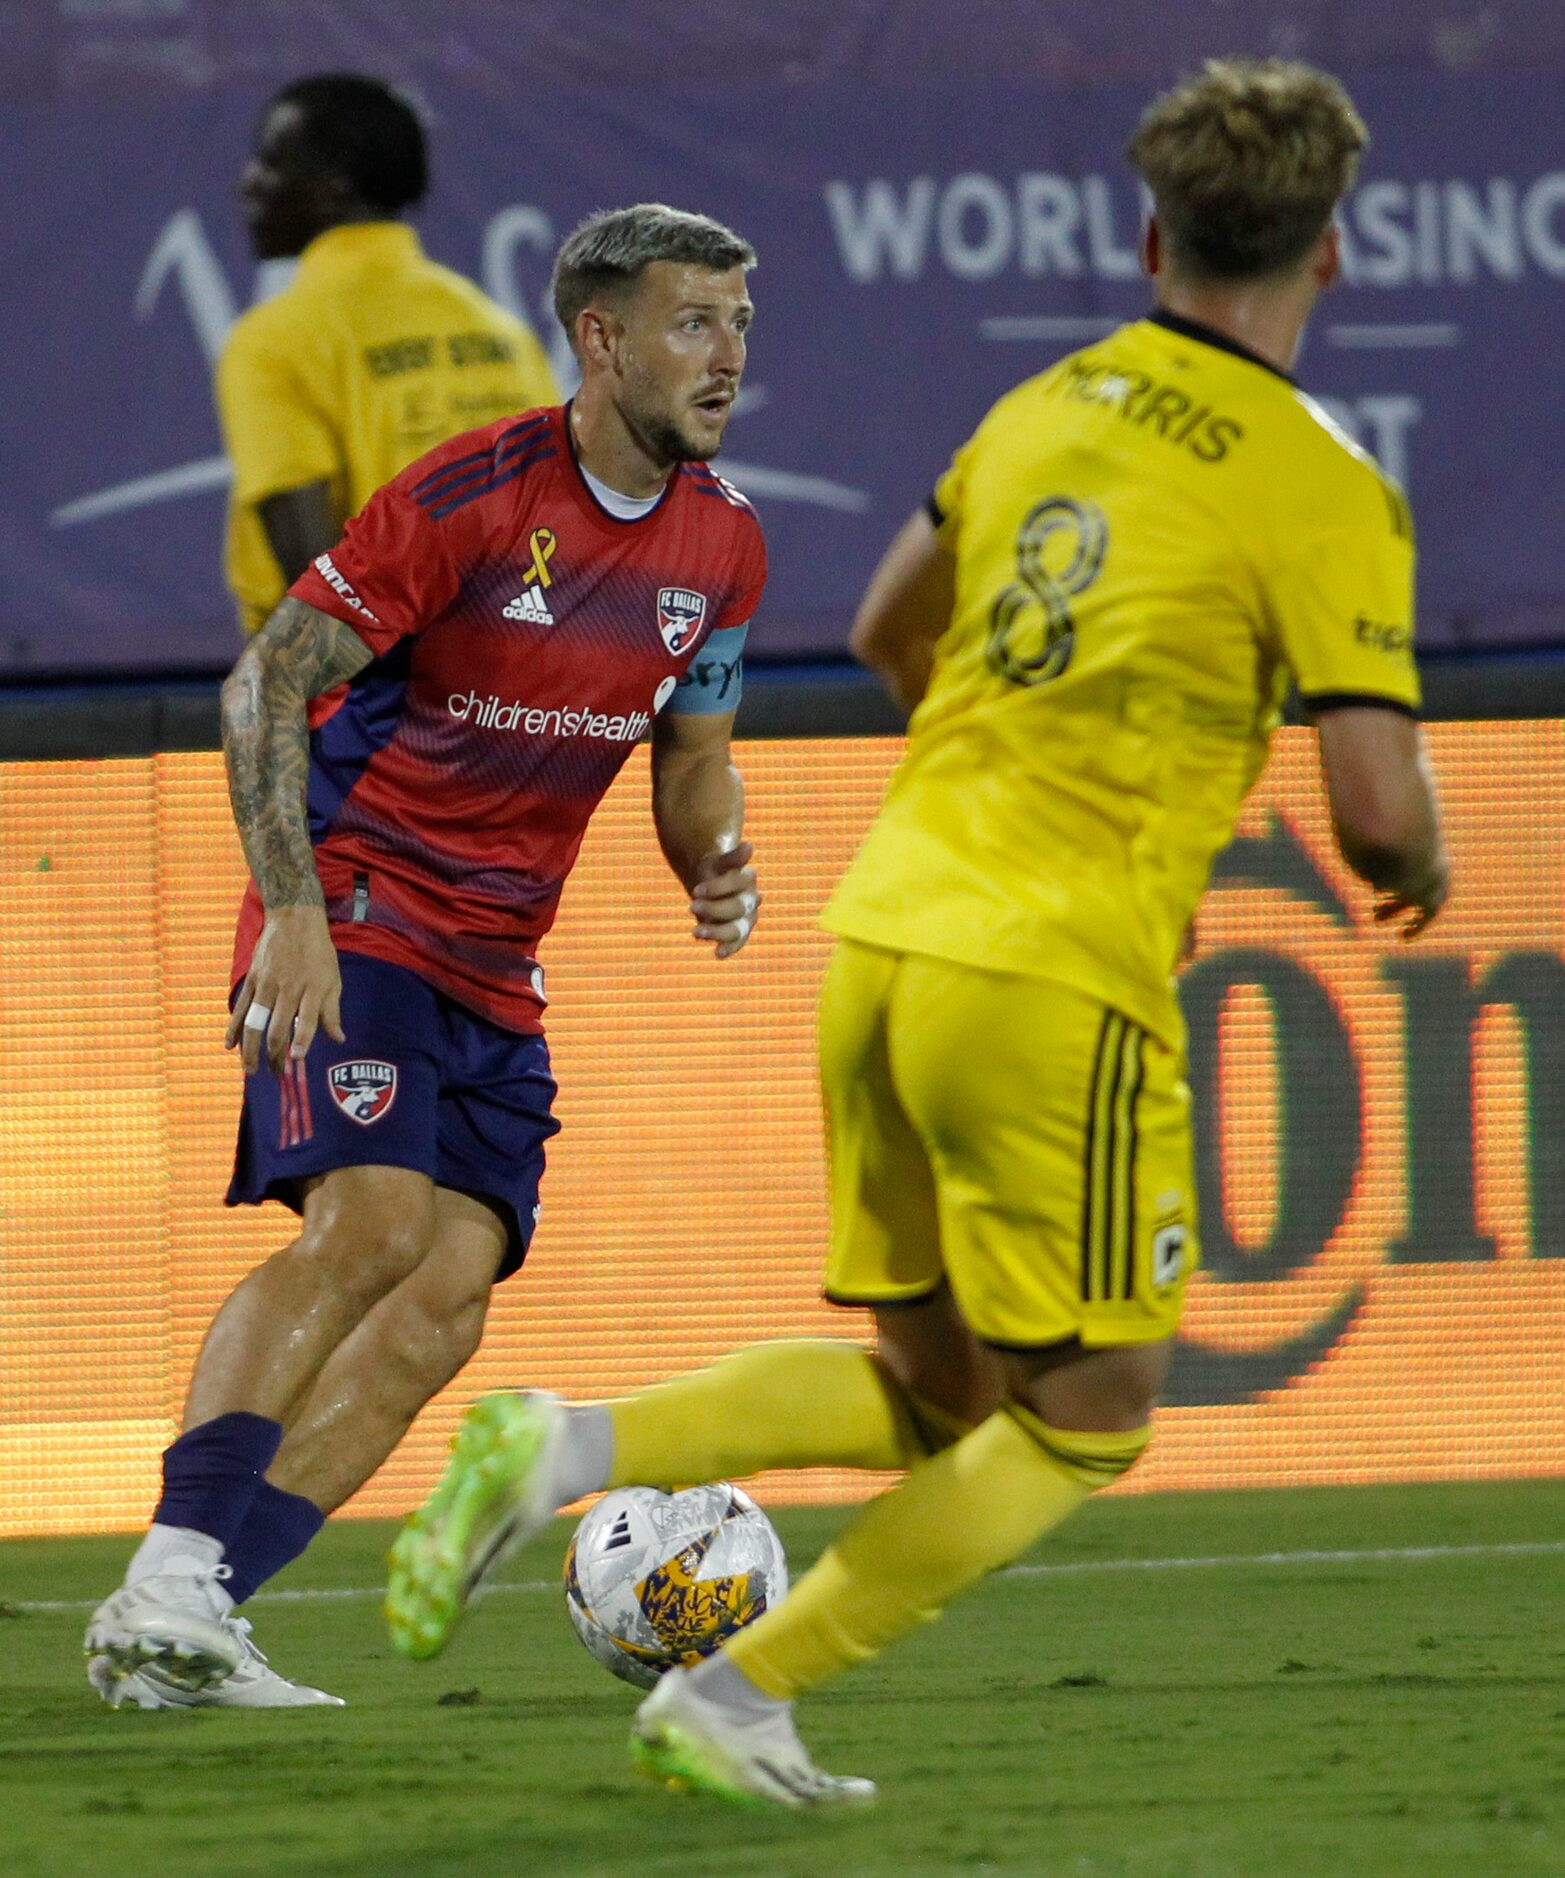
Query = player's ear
x=597 y=338
x=1151 y=248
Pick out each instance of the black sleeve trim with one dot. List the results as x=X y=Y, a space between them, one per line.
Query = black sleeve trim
x=1316 y=702
x=935 y=513
x=853 y=1302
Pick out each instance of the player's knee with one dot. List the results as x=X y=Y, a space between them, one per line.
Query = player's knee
x=1107 y=1390
x=1131 y=1381
x=367 y=1249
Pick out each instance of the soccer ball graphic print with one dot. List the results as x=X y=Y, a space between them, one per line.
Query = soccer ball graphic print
x=655 y=1581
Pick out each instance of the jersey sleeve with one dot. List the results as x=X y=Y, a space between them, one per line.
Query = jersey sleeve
x=393 y=572
x=745 y=596
x=277 y=435
x=944 y=506
x=1344 y=607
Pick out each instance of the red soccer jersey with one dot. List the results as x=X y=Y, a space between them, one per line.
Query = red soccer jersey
x=524 y=639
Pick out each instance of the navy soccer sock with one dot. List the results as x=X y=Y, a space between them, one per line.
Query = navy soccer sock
x=211 y=1474
x=278 y=1527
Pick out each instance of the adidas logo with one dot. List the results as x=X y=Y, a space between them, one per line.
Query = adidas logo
x=529 y=605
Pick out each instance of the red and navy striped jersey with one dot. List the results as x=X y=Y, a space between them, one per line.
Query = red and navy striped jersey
x=524 y=639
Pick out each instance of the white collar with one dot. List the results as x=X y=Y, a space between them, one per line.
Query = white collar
x=622 y=508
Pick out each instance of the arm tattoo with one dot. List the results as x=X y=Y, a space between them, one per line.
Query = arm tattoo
x=297 y=655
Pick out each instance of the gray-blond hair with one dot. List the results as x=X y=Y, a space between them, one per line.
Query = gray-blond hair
x=607 y=252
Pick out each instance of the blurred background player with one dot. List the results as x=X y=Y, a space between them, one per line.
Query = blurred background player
x=497 y=630
x=1094 y=624
x=372 y=355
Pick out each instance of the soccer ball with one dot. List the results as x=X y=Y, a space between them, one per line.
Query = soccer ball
x=658 y=1580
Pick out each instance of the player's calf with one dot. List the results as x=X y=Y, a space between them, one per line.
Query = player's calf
x=425 y=1342
x=365 y=1229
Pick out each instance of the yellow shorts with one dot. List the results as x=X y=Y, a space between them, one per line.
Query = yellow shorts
x=1011 y=1135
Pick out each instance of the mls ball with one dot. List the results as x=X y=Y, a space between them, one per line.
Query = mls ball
x=658 y=1580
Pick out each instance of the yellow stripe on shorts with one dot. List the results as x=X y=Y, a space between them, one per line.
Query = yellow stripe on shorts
x=1108 y=1222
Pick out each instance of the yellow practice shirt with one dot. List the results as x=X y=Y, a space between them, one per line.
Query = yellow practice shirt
x=1151 y=539
x=370 y=356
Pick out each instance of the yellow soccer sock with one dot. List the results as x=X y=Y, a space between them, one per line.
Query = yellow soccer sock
x=796 y=1404
x=968 y=1511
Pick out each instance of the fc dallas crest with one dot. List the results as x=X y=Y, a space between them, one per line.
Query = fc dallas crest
x=680 y=613
x=363 y=1091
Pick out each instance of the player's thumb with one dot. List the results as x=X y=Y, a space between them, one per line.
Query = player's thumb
x=724 y=860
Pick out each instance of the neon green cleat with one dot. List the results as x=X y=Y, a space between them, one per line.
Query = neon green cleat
x=493 y=1496
x=690 y=1744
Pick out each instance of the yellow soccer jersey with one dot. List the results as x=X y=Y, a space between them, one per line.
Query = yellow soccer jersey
x=1151 y=539
x=371 y=355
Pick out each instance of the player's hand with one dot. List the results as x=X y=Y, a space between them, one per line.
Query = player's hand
x=1418 y=902
x=292 y=989
x=726 y=899
x=1187 y=947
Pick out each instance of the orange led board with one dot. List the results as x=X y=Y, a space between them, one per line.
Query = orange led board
x=1382 y=1131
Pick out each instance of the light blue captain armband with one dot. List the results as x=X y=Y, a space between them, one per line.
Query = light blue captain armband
x=714 y=681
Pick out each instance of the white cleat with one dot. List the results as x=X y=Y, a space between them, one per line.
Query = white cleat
x=254 y=1684
x=692 y=1745
x=172 y=1621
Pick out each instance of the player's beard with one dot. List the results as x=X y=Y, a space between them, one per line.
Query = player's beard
x=661 y=437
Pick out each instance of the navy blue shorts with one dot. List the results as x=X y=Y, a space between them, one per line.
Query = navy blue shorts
x=422 y=1082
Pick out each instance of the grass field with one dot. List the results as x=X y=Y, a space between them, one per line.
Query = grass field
x=1151 y=1694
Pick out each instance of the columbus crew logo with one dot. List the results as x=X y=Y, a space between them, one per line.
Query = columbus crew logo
x=363 y=1091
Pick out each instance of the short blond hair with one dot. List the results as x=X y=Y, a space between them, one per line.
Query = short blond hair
x=1247 y=163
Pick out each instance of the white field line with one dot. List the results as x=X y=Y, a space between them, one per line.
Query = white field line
x=1075 y=1568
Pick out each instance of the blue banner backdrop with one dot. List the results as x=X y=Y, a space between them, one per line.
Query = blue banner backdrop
x=923 y=246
